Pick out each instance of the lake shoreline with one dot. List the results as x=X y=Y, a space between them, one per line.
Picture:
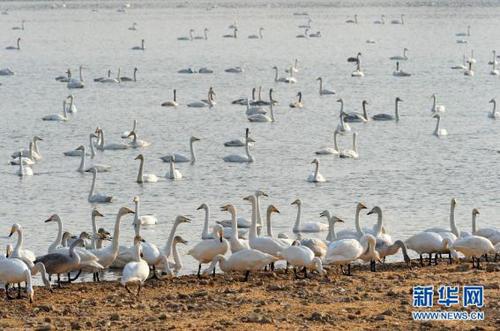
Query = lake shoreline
x=269 y=300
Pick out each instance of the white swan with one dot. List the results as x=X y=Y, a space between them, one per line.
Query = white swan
x=207 y=249
x=436 y=108
x=234 y=35
x=397 y=21
x=388 y=117
x=461 y=66
x=438 y=132
x=19 y=252
x=288 y=80
x=24 y=170
x=309 y=227
x=141 y=176
x=353 y=21
x=234 y=70
x=298 y=103
x=109 y=80
x=94 y=197
x=130 y=79
x=270 y=210
x=257 y=36
x=204 y=37
x=125 y=134
x=342 y=127
x=210 y=102
x=303 y=35
x=139 y=48
x=294 y=68
x=469 y=71
x=302 y=256
x=403 y=57
x=399 y=72
x=381 y=21
x=358 y=72
x=173 y=173
x=15 y=48
x=354 y=117
x=114 y=146
x=136 y=271
x=77 y=152
x=133 y=27
x=182 y=158
x=237 y=158
x=258 y=116
x=330 y=150
x=169 y=246
x=351 y=153
x=494 y=71
x=171 y=103
x=453 y=227
x=227 y=226
x=323 y=91
x=28 y=161
x=464 y=34
x=136 y=142
x=83 y=168
x=471 y=246
x=34 y=153
x=58 y=117
x=76 y=83
x=14 y=271
x=492 y=234
x=190 y=37
x=425 y=243
x=150 y=251
x=351 y=234
x=71 y=107
x=315 y=176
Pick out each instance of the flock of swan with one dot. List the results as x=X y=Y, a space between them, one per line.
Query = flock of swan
x=236 y=244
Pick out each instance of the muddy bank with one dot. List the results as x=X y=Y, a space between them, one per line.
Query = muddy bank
x=365 y=300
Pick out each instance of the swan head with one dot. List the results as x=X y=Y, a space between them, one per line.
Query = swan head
x=85 y=235
x=365 y=102
x=260 y=193
x=139 y=157
x=15 y=227
x=315 y=161
x=436 y=116
x=398 y=99
x=182 y=219
x=325 y=213
x=453 y=202
x=275 y=68
x=375 y=210
x=475 y=212
x=336 y=219
x=272 y=209
x=96 y=213
x=250 y=198
x=138 y=240
x=492 y=100
x=319 y=78
x=136 y=199
x=135 y=70
x=124 y=211
x=340 y=100
x=202 y=206
x=37 y=138
x=71 y=97
x=193 y=139
x=53 y=218
x=80 y=148
x=180 y=240
x=297 y=202
x=361 y=206
x=31 y=293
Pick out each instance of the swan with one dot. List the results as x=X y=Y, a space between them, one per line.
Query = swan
x=14 y=271
x=257 y=36
x=270 y=210
x=28 y=161
x=179 y=158
x=350 y=234
x=151 y=253
x=388 y=117
x=109 y=80
x=25 y=255
x=129 y=79
x=141 y=176
x=97 y=197
x=136 y=271
x=464 y=34
x=137 y=143
x=264 y=244
x=302 y=256
x=316 y=34
x=34 y=153
x=98 y=167
x=471 y=59
x=357 y=72
x=234 y=70
x=403 y=57
x=176 y=265
x=190 y=37
x=76 y=83
x=187 y=71
x=133 y=27
x=330 y=150
x=342 y=127
x=294 y=68
x=381 y=21
x=64 y=78
x=351 y=153
x=399 y=72
x=57 y=117
x=17 y=47
x=254 y=110
x=247 y=158
x=436 y=108
x=207 y=249
x=425 y=243
x=353 y=21
x=356 y=117
x=323 y=91
x=97 y=235
x=173 y=174
x=23 y=170
x=397 y=21
x=210 y=102
x=19 y=27
x=461 y=66
x=298 y=103
x=494 y=61
x=259 y=101
x=71 y=107
x=171 y=103
x=204 y=37
x=168 y=249
x=494 y=71
x=125 y=134
x=139 y=48
x=318 y=246
x=453 y=227
x=492 y=234
x=115 y=146
x=247 y=260
x=6 y=72
x=287 y=80
x=78 y=152
x=99 y=79
x=106 y=256
x=438 y=132
x=494 y=113
x=227 y=226
x=315 y=176
x=260 y=117
x=309 y=227
x=205 y=70
x=472 y=246
x=469 y=71
x=63 y=263
x=233 y=35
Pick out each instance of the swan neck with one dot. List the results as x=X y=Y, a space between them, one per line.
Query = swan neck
x=453 y=225
x=356 y=222
x=316 y=171
x=234 y=224
x=191 y=149
x=380 y=223
x=168 y=248
x=253 y=228
x=137 y=221
x=58 y=239
x=436 y=131
x=396 y=110
x=204 y=233
x=140 y=175
x=82 y=162
x=296 y=226
x=116 y=235
x=92 y=188
x=247 y=151
x=20 y=240
x=94 y=233
x=177 y=258
x=92 y=150
x=474 y=224
x=268 y=224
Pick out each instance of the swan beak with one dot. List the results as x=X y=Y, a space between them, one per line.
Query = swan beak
x=362 y=206
x=223 y=208
x=370 y=212
x=201 y=207
x=138 y=157
x=11 y=233
x=48 y=220
x=196 y=139
x=340 y=220
x=247 y=198
x=98 y=213
x=276 y=210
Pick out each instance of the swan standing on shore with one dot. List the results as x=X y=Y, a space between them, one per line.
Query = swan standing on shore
x=310 y=227
x=388 y=117
x=58 y=117
x=19 y=252
x=207 y=249
x=179 y=158
x=471 y=246
x=297 y=255
x=315 y=176
x=323 y=91
x=14 y=271
x=492 y=234
x=438 y=132
x=136 y=271
x=97 y=197
x=141 y=176
x=169 y=246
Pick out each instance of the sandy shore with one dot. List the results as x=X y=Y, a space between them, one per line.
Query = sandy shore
x=268 y=300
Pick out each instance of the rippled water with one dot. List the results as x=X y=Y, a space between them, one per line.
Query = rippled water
x=402 y=167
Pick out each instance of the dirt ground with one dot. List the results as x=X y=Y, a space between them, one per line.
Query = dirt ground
x=269 y=300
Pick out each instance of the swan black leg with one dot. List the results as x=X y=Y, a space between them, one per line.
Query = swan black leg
x=305 y=272
x=59 y=280
x=272 y=266
x=349 y=270
x=199 y=270
x=496 y=256
x=7 y=292
x=478 y=261
x=449 y=258
x=128 y=290
x=295 y=272
x=247 y=273
x=213 y=272
x=421 y=260
x=286 y=268
x=436 y=259
x=473 y=264
x=265 y=268
x=430 y=258
x=139 y=289
x=19 y=291
x=486 y=257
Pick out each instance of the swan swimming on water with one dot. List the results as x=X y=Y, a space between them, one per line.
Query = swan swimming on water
x=204 y=37
x=330 y=150
x=403 y=57
x=173 y=174
x=182 y=158
x=97 y=197
x=342 y=127
x=494 y=113
x=469 y=71
x=6 y=72
x=438 y=132
x=353 y=21
x=298 y=103
x=388 y=117
x=130 y=79
x=323 y=91
x=58 y=117
x=83 y=168
x=315 y=176
x=255 y=36
x=74 y=83
x=247 y=158
x=351 y=153
x=381 y=21
x=171 y=103
x=141 y=176
x=354 y=117
x=139 y=48
x=399 y=21
x=190 y=37
x=17 y=47
x=136 y=142
x=399 y=72
x=436 y=108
